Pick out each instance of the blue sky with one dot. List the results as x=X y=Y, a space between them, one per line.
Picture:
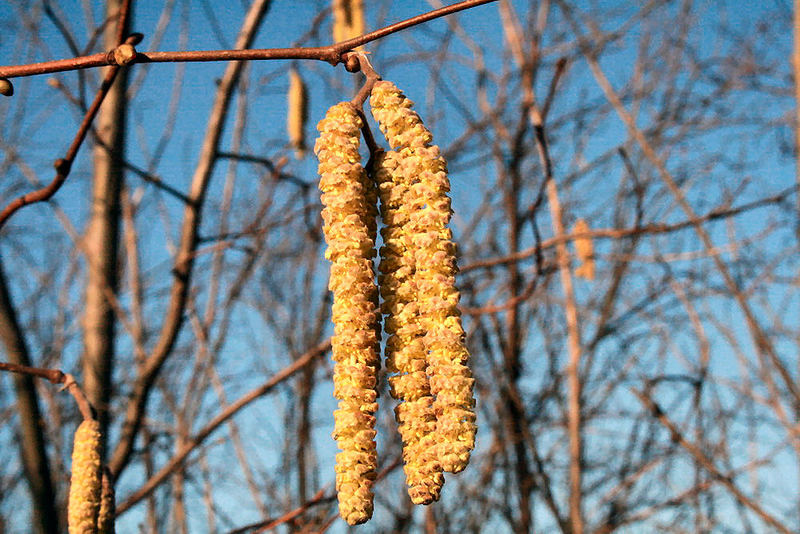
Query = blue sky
x=42 y=123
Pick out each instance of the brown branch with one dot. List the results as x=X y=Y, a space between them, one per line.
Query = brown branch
x=268 y=524
x=32 y=426
x=64 y=165
x=193 y=442
x=185 y=255
x=366 y=67
x=122 y=21
x=318 y=498
x=796 y=67
x=759 y=336
x=333 y=54
x=572 y=370
x=55 y=376
x=706 y=462
x=619 y=233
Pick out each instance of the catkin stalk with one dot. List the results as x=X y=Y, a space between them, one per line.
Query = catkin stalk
x=85 y=483
x=429 y=241
x=349 y=226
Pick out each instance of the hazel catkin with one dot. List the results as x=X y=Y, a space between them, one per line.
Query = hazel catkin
x=584 y=250
x=429 y=247
x=348 y=19
x=349 y=211
x=405 y=350
x=105 y=519
x=85 y=484
x=297 y=113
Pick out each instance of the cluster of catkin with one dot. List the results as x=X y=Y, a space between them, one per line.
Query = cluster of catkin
x=91 y=495
x=426 y=357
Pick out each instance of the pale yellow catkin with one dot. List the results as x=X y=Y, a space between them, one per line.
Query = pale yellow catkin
x=297 y=113
x=405 y=349
x=85 y=483
x=348 y=19
x=584 y=250
x=348 y=197
x=429 y=242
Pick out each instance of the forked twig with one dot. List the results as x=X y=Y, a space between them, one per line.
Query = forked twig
x=55 y=376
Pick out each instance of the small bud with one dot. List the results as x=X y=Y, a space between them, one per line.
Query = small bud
x=6 y=89
x=124 y=54
x=134 y=38
x=62 y=166
x=352 y=64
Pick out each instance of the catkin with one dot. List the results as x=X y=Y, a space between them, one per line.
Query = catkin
x=85 y=484
x=298 y=113
x=349 y=226
x=105 y=519
x=405 y=350
x=348 y=19
x=429 y=243
x=584 y=249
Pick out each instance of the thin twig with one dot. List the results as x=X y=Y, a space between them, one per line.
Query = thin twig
x=262 y=526
x=63 y=165
x=620 y=233
x=333 y=54
x=55 y=376
x=366 y=67
x=232 y=409
x=706 y=462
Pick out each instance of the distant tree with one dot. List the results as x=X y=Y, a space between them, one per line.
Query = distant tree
x=626 y=208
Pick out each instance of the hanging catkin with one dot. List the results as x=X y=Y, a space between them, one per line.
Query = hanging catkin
x=85 y=483
x=429 y=242
x=348 y=19
x=298 y=113
x=105 y=519
x=584 y=250
x=349 y=198
x=405 y=349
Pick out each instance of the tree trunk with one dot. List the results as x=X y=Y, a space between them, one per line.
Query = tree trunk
x=44 y=515
x=102 y=236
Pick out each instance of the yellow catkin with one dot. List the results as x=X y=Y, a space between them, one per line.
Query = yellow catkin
x=105 y=519
x=430 y=241
x=298 y=113
x=405 y=350
x=349 y=225
x=584 y=249
x=348 y=19
x=85 y=484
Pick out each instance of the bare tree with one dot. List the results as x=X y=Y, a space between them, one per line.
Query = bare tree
x=662 y=394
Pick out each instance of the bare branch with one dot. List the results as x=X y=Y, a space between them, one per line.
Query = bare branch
x=194 y=441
